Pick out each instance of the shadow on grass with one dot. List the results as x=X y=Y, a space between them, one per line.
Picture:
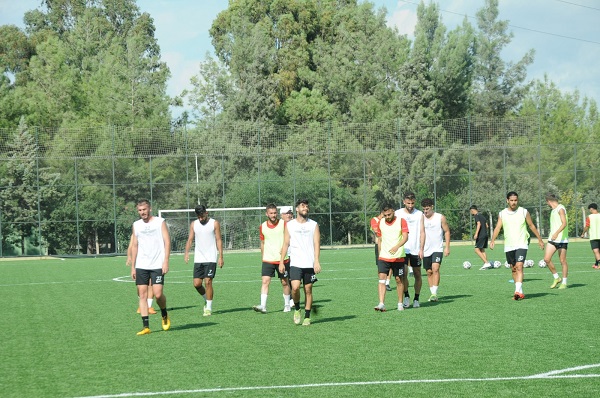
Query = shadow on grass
x=535 y=295
x=241 y=309
x=180 y=308
x=193 y=326
x=446 y=299
x=335 y=319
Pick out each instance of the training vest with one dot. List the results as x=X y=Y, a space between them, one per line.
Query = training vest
x=413 y=220
x=434 y=235
x=302 y=246
x=272 y=237
x=151 y=246
x=391 y=235
x=594 y=230
x=555 y=223
x=205 y=250
x=514 y=224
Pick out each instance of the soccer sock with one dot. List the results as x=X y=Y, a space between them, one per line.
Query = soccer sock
x=564 y=281
x=306 y=313
x=286 y=299
x=434 y=290
x=209 y=305
x=204 y=296
x=150 y=302
x=297 y=306
x=387 y=282
x=555 y=275
x=145 y=321
x=163 y=312
x=519 y=287
x=263 y=300
x=416 y=297
x=406 y=294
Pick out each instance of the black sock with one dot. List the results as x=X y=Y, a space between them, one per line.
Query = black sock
x=416 y=297
x=163 y=312
x=297 y=305
x=145 y=321
x=406 y=294
x=306 y=313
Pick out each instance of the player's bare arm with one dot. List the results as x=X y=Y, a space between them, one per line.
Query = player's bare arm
x=496 y=233
x=446 y=230
x=219 y=240
x=284 y=249
x=167 y=242
x=534 y=230
x=317 y=244
x=188 y=244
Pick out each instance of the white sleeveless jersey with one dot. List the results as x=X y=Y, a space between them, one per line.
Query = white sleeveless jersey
x=302 y=247
x=434 y=235
x=414 y=220
x=205 y=250
x=151 y=246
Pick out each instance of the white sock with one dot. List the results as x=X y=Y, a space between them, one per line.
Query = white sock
x=263 y=300
x=204 y=296
x=433 y=290
x=387 y=282
x=209 y=305
x=555 y=275
x=519 y=287
x=286 y=299
x=564 y=281
x=150 y=302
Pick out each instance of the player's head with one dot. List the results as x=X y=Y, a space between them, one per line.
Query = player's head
x=427 y=206
x=271 y=212
x=593 y=207
x=551 y=198
x=286 y=213
x=473 y=209
x=201 y=213
x=144 y=209
x=512 y=199
x=409 y=201
x=388 y=212
x=302 y=207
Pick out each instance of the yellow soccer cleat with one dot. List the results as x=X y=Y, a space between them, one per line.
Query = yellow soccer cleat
x=166 y=323
x=143 y=332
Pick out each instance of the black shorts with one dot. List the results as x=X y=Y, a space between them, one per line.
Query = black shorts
x=144 y=276
x=558 y=245
x=269 y=269
x=481 y=242
x=306 y=275
x=595 y=244
x=383 y=267
x=412 y=260
x=205 y=270
x=436 y=257
x=516 y=256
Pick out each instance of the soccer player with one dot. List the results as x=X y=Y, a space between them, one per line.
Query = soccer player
x=481 y=236
x=271 y=234
x=592 y=224
x=514 y=220
x=303 y=237
x=558 y=240
x=150 y=250
x=205 y=232
x=436 y=232
x=375 y=230
x=413 y=247
x=393 y=234
x=128 y=263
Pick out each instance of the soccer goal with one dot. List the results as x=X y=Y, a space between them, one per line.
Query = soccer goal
x=239 y=226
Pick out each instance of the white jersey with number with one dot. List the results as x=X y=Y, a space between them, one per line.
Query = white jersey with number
x=205 y=250
x=151 y=246
x=414 y=220
x=302 y=247
x=434 y=234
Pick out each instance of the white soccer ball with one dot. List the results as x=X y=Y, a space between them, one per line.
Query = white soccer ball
x=506 y=264
x=542 y=263
x=467 y=265
x=497 y=264
x=528 y=263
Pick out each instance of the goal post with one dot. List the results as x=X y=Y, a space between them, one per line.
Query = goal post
x=239 y=226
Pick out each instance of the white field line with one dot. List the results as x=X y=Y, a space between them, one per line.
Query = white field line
x=555 y=374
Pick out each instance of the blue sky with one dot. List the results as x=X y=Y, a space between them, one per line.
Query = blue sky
x=564 y=34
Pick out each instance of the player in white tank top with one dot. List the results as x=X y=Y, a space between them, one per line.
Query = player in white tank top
x=436 y=232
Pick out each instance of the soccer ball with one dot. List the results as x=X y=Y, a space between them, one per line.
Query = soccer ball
x=528 y=263
x=497 y=264
x=542 y=263
x=506 y=264
x=467 y=265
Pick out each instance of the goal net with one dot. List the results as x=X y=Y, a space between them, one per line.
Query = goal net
x=239 y=226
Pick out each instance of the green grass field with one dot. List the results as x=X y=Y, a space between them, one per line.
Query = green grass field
x=69 y=330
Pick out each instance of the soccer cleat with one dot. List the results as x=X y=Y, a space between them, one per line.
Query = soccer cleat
x=406 y=301
x=400 y=307
x=562 y=286
x=143 y=332
x=297 y=317
x=433 y=297
x=518 y=296
x=306 y=322
x=151 y=311
x=138 y=310
x=485 y=266
x=286 y=308
x=260 y=308
x=388 y=288
x=166 y=323
x=555 y=283
x=380 y=308
x=207 y=312
x=595 y=266
x=416 y=304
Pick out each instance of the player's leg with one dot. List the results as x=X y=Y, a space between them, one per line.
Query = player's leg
x=562 y=256
x=517 y=271
x=399 y=270
x=285 y=285
x=548 y=253
x=405 y=282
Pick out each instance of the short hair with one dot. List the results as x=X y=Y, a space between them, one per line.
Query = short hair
x=271 y=206
x=427 y=202
x=593 y=206
x=301 y=201
x=473 y=207
x=387 y=206
x=409 y=195
x=143 y=202
x=551 y=197
x=199 y=209
x=512 y=193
